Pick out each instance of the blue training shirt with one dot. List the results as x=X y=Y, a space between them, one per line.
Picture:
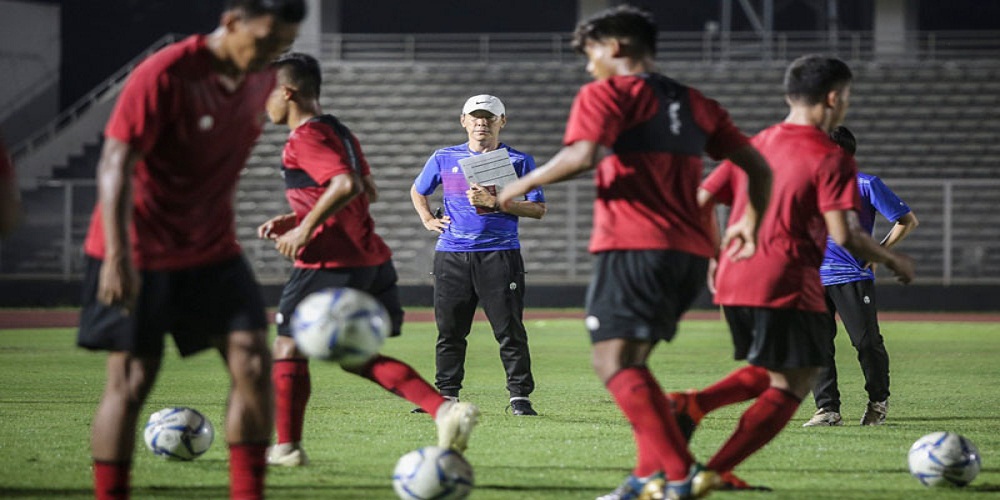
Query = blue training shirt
x=839 y=266
x=468 y=231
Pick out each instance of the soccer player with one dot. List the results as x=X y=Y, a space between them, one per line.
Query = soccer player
x=478 y=255
x=773 y=301
x=850 y=291
x=331 y=237
x=651 y=240
x=162 y=253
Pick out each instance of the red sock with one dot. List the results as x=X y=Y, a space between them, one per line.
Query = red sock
x=292 y=387
x=402 y=380
x=646 y=462
x=759 y=424
x=246 y=471
x=111 y=480
x=645 y=405
x=743 y=384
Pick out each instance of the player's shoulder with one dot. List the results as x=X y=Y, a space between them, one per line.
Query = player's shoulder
x=183 y=55
x=458 y=150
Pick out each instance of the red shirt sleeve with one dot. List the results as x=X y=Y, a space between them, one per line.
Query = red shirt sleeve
x=141 y=108
x=720 y=183
x=723 y=136
x=595 y=115
x=322 y=156
x=837 y=183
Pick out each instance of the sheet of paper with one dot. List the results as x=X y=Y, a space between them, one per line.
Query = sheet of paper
x=489 y=169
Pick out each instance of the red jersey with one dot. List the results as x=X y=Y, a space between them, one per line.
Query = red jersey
x=316 y=152
x=812 y=175
x=657 y=130
x=195 y=136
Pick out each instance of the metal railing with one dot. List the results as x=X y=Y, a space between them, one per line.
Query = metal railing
x=958 y=241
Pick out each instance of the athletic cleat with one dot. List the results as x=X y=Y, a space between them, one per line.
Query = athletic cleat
x=698 y=484
x=686 y=411
x=732 y=483
x=455 y=421
x=824 y=418
x=875 y=413
x=287 y=455
x=633 y=487
x=522 y=407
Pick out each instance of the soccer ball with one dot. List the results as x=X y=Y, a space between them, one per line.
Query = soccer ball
x=432 y=473
x=944 y=459
x=178 y=433
x=340 y=324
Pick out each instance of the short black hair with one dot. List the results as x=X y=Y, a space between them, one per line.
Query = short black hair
x=287 y=11
x=302 y=70
x=845 y=139
x=810 y=78
x=624 y=22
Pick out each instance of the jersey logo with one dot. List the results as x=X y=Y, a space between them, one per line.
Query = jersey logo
x=205 y=123
x=454 y=170
x=675 y=120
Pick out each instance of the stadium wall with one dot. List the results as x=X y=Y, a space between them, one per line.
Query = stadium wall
x=891 y=297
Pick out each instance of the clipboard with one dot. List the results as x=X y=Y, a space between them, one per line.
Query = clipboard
x=492 y=170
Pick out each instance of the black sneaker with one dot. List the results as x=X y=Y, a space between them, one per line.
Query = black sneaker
x=522 y=407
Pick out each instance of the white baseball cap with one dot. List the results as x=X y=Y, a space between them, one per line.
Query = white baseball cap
x=484 y=102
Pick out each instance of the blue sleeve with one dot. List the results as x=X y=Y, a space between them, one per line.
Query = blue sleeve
x=429 y=178
x=885 y=201
x=535 y=195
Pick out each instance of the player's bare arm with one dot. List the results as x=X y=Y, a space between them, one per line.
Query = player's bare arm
x=431 y=223
x=566 y=164
x=847 y=232
x=744 y=234
x=119 y=280
x=903 y=226
x=342 y=189
x=480 y=197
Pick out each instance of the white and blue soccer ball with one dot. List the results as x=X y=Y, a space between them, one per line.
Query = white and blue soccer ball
x=944 y=459
x=178 y=433
x=432 y=473
x=340 y=324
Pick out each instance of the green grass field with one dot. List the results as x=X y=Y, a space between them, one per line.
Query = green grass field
x=944 y=377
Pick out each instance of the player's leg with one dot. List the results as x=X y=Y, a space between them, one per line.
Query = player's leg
x=454 y=308
x=221 y=306
x=650 y=288
x=134 y=340
x=791 y=344
x=860 y=317
x=826 y=392
x=498 y=278
x=392 y=374
x=113 y=431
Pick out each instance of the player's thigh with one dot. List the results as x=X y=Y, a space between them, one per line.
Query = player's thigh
x=641 y=295
x=140 y=330
x=214 y=300
x=384 y=287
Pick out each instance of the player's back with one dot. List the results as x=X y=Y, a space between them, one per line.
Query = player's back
x=811 y=175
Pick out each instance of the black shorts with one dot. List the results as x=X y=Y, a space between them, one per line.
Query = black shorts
x=378 y=281
x=196 y=306
x=641 y=294
x=778 y=339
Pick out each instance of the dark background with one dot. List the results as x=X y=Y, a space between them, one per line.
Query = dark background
x=100 y=36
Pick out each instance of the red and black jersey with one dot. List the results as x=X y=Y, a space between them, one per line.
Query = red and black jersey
x=317 y=151
x=811 y=175
x=194 y=135
x=657 y=130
